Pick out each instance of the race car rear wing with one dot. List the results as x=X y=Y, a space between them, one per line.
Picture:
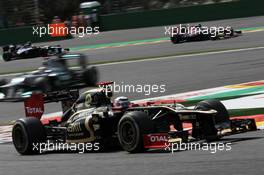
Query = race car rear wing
x=34 y=104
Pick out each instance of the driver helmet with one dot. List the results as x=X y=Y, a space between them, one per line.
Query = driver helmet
x=121 y=102
x=28 y=43
x=199 y=25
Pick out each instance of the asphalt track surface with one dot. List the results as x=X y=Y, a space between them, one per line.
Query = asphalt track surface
x=245 y=157
x=179 y=74
x=159 y=49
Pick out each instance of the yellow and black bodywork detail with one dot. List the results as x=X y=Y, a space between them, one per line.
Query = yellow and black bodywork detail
x=81 y=129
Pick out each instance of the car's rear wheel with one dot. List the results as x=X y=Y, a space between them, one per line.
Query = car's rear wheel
x=28 y=134
x=231 y=32
x=208 y=124
x=43 y=84
x=7 y=56
x=3 y=82
x=214 y=37
x=43 y=52
x=131 y=129
x=91 y=76
x=175 y=39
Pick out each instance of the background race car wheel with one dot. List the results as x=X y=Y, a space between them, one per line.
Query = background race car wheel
x=26 y=133
x=43 y=52
x=91 y=76
x=7 y=56
x=3 y=82
x=43 y=84
x=232 y=32
x=175 y=39
x=131 y=129
x=222 y=117
x=212 y=37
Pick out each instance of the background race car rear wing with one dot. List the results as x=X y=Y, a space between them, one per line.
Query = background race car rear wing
x=34 y=104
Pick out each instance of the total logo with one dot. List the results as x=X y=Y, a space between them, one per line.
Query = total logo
x=158 y=138
x=34 y=110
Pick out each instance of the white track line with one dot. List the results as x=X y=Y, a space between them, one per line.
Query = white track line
x=167 y=57
x=186 y=55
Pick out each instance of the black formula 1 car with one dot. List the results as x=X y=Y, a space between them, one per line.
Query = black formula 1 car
x=16 y=52
x=55 y=75
x=201 y=33
x=93 y=119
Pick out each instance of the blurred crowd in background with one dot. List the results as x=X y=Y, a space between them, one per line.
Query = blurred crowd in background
x=15 y=13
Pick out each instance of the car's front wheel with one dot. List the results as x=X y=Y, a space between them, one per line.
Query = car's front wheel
x=220 y=118
x=131 y=130
x=28 y=134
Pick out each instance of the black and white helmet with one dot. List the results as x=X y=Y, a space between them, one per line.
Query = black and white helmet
x=121 y=102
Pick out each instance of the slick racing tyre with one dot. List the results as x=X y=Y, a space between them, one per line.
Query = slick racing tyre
x=43 y=52
x=175 y=39
x=43 y=84
x=7 y=56
x=231 y=32
x=28 y=133
x=91 y=76
x=221 y=117
x=131 y=129
x=213 y=38
x=3 y=82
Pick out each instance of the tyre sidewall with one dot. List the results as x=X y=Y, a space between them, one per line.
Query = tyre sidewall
x=142 y=125
x=137 y=140
x=90 y=76
x=34 y=133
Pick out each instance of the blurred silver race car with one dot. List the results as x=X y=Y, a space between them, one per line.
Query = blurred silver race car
x=54 y=76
